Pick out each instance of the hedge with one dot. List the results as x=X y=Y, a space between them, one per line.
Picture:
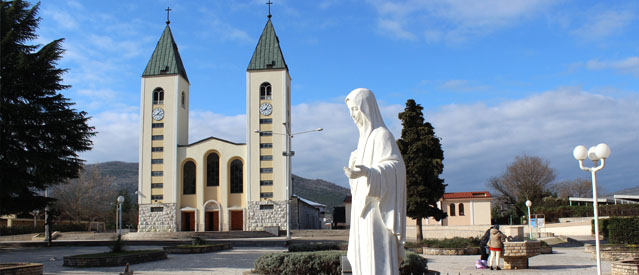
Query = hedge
x=456 y=242
x=301 y=247
x=323 y=262
x=603 y=227
x=624 y=230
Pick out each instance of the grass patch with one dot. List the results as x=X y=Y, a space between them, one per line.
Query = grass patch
x=115 y=254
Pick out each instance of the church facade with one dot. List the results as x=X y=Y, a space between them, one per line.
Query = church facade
x=213 y=184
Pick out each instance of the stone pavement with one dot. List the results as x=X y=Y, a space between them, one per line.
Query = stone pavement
x=564 y=260
x=235 y=261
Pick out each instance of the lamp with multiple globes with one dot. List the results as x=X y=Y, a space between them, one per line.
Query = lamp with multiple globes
x=595 y=153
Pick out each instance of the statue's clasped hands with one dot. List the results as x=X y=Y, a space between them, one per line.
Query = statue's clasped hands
x=358 y=171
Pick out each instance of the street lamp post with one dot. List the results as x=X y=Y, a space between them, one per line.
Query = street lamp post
x=120 y=201
x=288 y=154
x=529 y=204
x=595 y=153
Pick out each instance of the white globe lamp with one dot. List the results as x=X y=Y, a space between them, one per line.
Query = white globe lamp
x=580 y=152
x=602 y=150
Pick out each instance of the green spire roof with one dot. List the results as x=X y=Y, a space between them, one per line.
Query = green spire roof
x=166 y=57
x=268 y=54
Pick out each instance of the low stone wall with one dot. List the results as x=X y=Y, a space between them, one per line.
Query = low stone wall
x=197 y=249
x=616 y=255
x=79 y=261
x=516 y=254
x=628 y=267
x=20 y=269
x=450 y=251
x=612 y=252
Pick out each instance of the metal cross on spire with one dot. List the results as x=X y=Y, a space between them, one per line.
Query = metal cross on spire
x=269 y=3
x=168 y=11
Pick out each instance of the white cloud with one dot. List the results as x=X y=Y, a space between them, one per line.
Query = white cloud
x=204 y=124
x=62 y=18
x=479 y=141
x=460 y=20
x=117 y=137
x=604 y=23
x=221 y=29
x=395 y=29
x=629 y=65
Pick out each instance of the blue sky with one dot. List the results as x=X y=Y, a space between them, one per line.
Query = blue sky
x=497 y=78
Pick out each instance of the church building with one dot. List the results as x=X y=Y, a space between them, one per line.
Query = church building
x=213 y=184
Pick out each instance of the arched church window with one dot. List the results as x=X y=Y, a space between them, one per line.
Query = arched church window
x=451 y=211
x=461 y=209
x=213 y=170
x=183 y=99
x=158 y=96
x=237 y=176
x=188 y=178
x=265 y=90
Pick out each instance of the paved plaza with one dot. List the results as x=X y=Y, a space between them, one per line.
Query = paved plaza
x=235 y=261
x=564 y=260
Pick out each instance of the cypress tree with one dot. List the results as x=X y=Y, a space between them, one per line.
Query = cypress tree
x=423 y=156
x=40 y=133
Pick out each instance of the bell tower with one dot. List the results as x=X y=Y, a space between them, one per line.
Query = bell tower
x=164 y=122
x=268 y=110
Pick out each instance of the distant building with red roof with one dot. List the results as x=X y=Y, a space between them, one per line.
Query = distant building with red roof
x=463 y=208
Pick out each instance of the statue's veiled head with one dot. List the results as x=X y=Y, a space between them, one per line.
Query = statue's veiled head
x=363 y=108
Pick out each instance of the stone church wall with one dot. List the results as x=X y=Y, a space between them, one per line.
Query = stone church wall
x=259 y=217
x=157 y=221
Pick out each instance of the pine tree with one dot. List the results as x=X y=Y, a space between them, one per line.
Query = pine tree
x=40 y=133
x=423 y=156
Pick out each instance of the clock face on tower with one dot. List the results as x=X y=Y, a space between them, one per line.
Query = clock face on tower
x=266 y=109
x=158 y=113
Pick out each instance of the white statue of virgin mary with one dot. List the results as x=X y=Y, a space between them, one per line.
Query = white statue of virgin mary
x=377 y=177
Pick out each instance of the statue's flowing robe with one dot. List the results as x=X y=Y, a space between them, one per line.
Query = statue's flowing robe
x=378 y=214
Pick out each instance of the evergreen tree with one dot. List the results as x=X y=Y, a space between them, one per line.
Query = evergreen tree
x=40 y=133
x=423 y=156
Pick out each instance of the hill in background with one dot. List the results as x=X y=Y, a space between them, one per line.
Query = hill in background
x=321 y=191
x=125 y=176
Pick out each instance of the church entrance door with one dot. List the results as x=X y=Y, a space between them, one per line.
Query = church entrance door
x=212 y=221
x=237 y=220
x=188 y=221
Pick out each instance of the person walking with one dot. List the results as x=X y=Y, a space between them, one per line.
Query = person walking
x=483 y=248
x=496 y=246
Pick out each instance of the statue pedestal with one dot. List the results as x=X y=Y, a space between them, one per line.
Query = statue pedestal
x=516 y=254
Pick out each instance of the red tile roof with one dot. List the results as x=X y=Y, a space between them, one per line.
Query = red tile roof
x=467 y=195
